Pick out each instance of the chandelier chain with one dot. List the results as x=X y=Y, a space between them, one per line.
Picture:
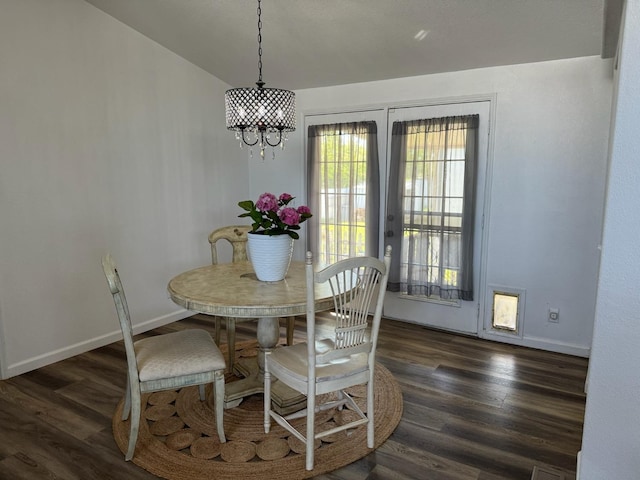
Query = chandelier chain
x=260 y=82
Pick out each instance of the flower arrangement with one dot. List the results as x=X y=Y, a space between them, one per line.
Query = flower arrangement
x=271 y=215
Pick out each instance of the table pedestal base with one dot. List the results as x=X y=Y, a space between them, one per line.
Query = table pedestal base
x=284 y=400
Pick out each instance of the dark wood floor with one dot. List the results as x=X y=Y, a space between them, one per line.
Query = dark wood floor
x=473 y=409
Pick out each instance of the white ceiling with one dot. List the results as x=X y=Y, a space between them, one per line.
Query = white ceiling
x=312 y=43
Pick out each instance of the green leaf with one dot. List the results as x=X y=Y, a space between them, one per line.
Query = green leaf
x=247 y=205
x=255 y=216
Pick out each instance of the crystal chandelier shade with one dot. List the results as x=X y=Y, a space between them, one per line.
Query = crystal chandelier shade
x=260 y=116
x=262 y=113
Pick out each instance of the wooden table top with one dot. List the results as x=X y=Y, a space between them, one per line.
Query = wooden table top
x=232 y=290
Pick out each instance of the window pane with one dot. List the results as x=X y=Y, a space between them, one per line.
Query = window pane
x=433 y=201
x=342 y=191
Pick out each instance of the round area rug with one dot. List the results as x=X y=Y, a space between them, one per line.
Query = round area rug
x=178 y=439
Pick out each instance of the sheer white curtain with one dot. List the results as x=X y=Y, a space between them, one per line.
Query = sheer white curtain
x=431 y=205
x=343 y=186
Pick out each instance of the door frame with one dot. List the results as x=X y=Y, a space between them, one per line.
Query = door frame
x=384 y=129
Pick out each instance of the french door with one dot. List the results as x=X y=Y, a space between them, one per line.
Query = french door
x=455 y=315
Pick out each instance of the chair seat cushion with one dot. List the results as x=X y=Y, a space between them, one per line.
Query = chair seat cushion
x=294 y=360
x=179 y=353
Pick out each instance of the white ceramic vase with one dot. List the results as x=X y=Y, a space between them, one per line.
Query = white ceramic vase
x=270 y=255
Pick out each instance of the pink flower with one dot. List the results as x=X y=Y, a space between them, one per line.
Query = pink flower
x=270 y=215
x=289 y=216
x=267 y=202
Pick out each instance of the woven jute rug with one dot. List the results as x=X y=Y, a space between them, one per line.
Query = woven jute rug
x=178 y=440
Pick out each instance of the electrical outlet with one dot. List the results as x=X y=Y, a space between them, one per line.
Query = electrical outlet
x=554 y=315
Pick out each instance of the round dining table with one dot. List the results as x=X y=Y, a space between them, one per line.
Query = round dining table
x=233 y=290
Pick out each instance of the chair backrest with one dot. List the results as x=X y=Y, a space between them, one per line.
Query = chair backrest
x=358 y=285
x=119 y=298
x=236 y=235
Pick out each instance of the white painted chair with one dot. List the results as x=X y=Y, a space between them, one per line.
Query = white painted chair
x=327 y=365
x=236 y=235
x=164 y=362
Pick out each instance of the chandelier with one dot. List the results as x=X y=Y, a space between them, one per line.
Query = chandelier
x=260 y=116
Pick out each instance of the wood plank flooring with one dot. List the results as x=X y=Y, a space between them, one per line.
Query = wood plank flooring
x=473 y=410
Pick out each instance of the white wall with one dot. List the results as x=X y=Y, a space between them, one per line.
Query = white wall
x=611 y=439
x=108 y=142
x=547 y=191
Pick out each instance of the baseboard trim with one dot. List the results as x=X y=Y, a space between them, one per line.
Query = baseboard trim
x=541 y=344
x=531 y=342
x=72 y=350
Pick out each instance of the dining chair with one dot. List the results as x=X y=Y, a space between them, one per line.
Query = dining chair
x=344 y=359
x=164 y=362
x=236 y=235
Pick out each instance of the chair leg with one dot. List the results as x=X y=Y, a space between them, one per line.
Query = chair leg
x=340 y=394
x=267 y=394
x=231 y=341
x=126 y=408
x=135 y=424
x=203 y=396
x=218 y=397
x=370 y=425
x=311 y=419
x=291 y=325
